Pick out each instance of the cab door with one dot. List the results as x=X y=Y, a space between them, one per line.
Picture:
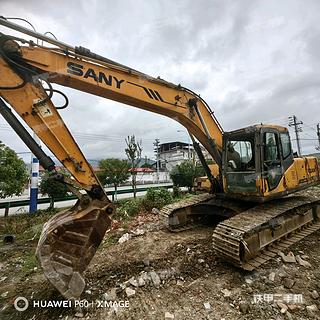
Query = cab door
x=272 y=168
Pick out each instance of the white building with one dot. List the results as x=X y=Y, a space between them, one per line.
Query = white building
x=173 y=153
x=148 y=176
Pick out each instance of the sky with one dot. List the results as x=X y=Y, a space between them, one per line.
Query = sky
x=252 y=61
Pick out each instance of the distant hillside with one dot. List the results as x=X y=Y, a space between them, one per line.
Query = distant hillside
x=95 y=163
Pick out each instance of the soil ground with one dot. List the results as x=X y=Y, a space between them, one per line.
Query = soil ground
x=195 y=283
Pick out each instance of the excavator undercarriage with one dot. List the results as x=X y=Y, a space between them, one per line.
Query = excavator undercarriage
x=248 y=234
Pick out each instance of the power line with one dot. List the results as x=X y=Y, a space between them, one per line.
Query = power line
x=85 y=136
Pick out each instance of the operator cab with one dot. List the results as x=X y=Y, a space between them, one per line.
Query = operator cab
x=253 y=153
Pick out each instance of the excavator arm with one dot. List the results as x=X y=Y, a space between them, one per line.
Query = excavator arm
x=69 y=240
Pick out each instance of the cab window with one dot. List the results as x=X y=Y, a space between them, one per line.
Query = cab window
x=271 y=150
x=240 y=155
x=285 y=144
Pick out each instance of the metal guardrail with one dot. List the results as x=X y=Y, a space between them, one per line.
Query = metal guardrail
x=22 y=203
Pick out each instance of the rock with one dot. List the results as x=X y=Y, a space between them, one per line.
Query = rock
x=130 y=292
x=155 y=279
x=200 y=260
x=146 y=262
x=272 y=276
x=244 y=307
x=288 y=283
x=283 y=307
x=289 y=258
x=303 y=263
x=226 y=292
x=79 y=315
x=180 y=283
x=111 y=295
x=281 y=273
x=312 y=310
x=314 y=294
x=133 y=282
x=305 y=257
x=168 y=316
x=141 y=282
x=288 y=316
x=163 y=274
x=4 y=294
x=145 y=276
x=249 y=290
x=121 y=287
x=292 y=307
x=139 y=232
x=125 y=237
x=207 y=306
x=248 y=280
x=155 y=211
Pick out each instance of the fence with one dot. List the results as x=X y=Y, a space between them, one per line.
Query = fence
x=22 y=203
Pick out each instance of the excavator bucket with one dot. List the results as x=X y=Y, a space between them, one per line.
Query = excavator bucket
x=69 y=241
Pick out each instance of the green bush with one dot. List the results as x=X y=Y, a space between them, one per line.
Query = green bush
x=183 y=174
x=130 y=207
x=157 y=198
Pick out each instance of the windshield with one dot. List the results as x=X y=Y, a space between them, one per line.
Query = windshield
x=240 y=155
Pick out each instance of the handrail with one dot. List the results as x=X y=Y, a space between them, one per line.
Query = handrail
x=21 y=203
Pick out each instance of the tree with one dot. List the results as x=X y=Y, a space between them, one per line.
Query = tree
x=113 y=171
x=133 y=152
x=13 y=173
x=53 y=188
x=184 y=174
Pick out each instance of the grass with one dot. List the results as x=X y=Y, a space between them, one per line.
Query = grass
x=25 y=226
x=110 y=240
x=29 y=262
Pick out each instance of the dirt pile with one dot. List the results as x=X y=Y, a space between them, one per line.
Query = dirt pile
x=164 y=275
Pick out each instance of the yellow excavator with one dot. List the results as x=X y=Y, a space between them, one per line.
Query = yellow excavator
x=253 y=189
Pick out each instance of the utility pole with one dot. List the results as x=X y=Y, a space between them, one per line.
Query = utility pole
x=318 y=134
x=293 y=122
x=156 y=150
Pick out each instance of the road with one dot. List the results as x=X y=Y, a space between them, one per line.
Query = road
x=62 y=204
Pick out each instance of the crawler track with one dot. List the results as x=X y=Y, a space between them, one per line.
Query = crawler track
x=178 y=214
x=254 y=236
x=250 y=234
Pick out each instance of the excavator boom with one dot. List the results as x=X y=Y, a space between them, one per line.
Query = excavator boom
x=70 y=239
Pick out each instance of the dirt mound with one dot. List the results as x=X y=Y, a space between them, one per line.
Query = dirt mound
x=164 y=275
